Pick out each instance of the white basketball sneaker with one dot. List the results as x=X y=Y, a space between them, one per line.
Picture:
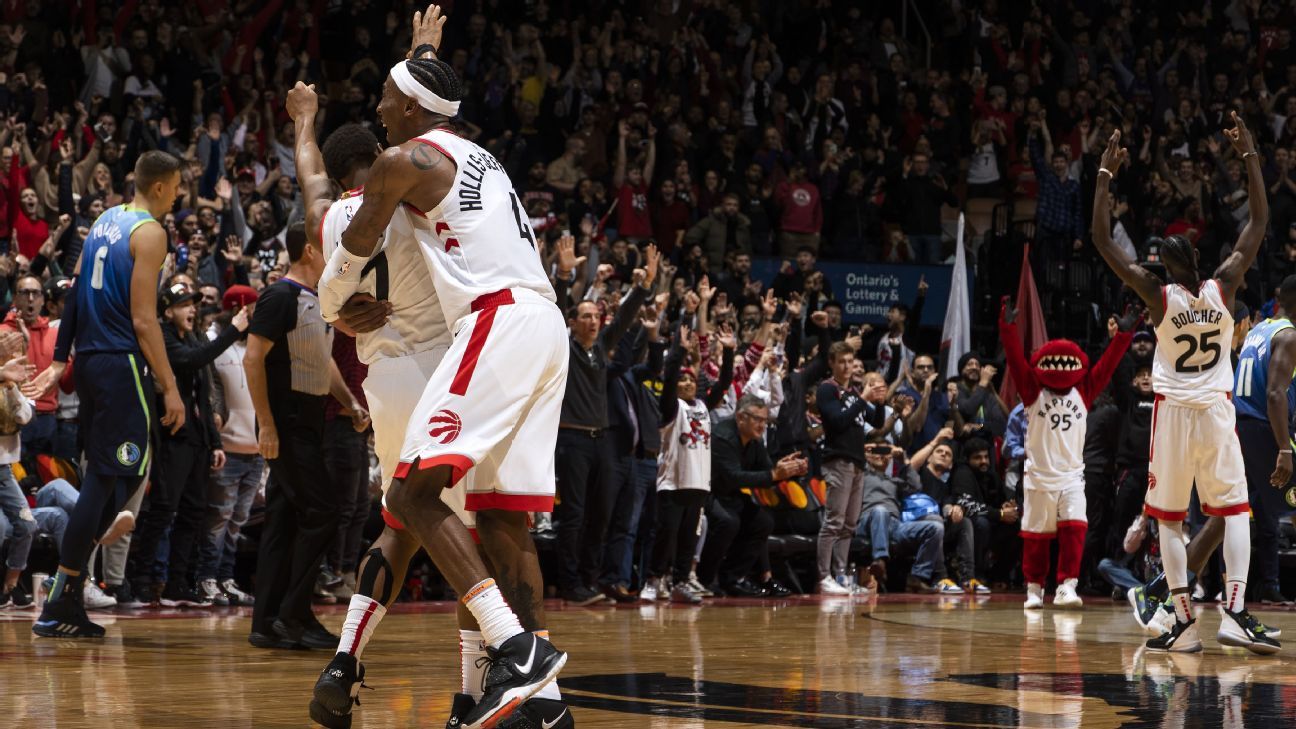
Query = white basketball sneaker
x=1066 y=596
x=829 y=586
x=1034 y=597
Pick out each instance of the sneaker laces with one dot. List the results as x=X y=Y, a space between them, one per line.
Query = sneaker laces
x=483 y=662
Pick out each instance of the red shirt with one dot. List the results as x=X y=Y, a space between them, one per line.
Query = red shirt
x=668 y=220
x=40 y=351
x=632 y=211
x=30 y=234
x=802 y=211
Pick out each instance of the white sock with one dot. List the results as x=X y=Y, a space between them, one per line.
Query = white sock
x=363 y=615
x=1174 y=560
x=472 y=667
x=550 y=691
x=496 y=619
x=1182 y=603
x=1237 y=559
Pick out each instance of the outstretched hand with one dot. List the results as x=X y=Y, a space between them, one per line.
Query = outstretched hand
x=428 y=27
x=1240 y=137
x=1114 y=155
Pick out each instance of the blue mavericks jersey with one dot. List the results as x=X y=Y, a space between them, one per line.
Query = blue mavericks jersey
x=103 y=317
x=1252 y=377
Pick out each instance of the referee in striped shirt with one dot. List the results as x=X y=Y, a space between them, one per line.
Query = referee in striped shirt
x=290 y=374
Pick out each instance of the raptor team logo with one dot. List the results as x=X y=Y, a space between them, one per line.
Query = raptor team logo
x=1151 y=481
x=445 y=426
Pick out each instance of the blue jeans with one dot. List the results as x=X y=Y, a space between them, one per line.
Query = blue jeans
x=22 y=525
x=1118 y=574
x=927 y=248
x=926 y=538
x=228 y=505
x=38 y=436
x=635 y=476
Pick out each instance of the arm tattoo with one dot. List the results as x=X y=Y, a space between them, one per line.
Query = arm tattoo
x=423 y=159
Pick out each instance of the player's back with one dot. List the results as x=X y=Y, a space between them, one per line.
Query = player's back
x=396 y=273
x=103 y=322
x=1250 y=393
x=478 y=240
x=1191 y=364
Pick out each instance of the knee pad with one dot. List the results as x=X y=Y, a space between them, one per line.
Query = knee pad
x=376 y=565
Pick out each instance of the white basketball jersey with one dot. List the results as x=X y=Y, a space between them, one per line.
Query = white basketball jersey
x=1055 y=438
x=1192 y=363
x=685 y=458
x=478 y=240
x=396 y=273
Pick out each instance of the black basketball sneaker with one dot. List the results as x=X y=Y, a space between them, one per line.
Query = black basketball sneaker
x=66 y=617
x=519 y=668
x=337 y=690
x=1182 y=638
x=1242 y=630
x=534 y=714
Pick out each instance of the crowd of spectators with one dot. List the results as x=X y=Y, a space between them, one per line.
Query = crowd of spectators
x=677 y=142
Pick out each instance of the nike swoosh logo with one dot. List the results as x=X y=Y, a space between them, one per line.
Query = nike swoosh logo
x=554 y=723
x=526 y=667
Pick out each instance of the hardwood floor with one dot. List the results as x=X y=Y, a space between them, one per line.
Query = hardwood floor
x=901 y=661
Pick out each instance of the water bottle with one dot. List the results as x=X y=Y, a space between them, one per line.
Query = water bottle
x=38 y=589
x=851 y=578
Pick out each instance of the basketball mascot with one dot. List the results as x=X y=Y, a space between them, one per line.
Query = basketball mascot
x=1057 y=388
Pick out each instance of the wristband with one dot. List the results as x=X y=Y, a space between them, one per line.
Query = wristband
x=1249 y=154
x=418 y=52
x=1288 y=451
x=1104 y=169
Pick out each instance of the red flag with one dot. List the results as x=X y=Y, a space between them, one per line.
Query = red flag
x=1030 y=322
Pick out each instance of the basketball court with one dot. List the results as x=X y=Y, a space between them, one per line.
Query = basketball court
x=841 y=663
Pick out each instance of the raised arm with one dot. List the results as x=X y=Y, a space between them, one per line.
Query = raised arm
x=1143 y=282
x=1101 y=372
x=1281 y=366
x=1018 y=367
x=1234 y=268
x=303 y=105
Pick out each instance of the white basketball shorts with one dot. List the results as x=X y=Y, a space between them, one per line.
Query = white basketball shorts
x=387 y=390
x=492 y=406
x=1044 y=509
x=1195 y=444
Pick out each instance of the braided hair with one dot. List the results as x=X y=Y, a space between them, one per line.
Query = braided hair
x=1178 y=254
x=437 y=76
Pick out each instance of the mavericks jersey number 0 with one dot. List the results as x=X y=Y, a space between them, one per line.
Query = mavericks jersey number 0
x=1191 y=363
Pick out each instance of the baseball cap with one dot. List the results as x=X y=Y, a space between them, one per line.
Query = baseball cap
x=1144 y=335
x=174 y=296
x=57 y=287
x=238 y=295
x=245 y=172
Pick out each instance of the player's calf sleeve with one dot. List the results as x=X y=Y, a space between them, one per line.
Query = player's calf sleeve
x=550 y=691
x=1071 y=537
x=376 y=577
x=363 y=615
x=1237 y=559
x=1035 y=558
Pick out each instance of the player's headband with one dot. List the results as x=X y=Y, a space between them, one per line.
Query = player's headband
x=420 y=93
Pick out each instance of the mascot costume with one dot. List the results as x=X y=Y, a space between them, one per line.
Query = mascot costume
x=1057 y=388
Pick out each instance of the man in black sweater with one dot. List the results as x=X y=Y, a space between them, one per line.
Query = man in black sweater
x=983 y=499
x=919 y=194
x=635 y=428
x=178 y=497
x=842 y=408
x=737 y=526
x=584 y=454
